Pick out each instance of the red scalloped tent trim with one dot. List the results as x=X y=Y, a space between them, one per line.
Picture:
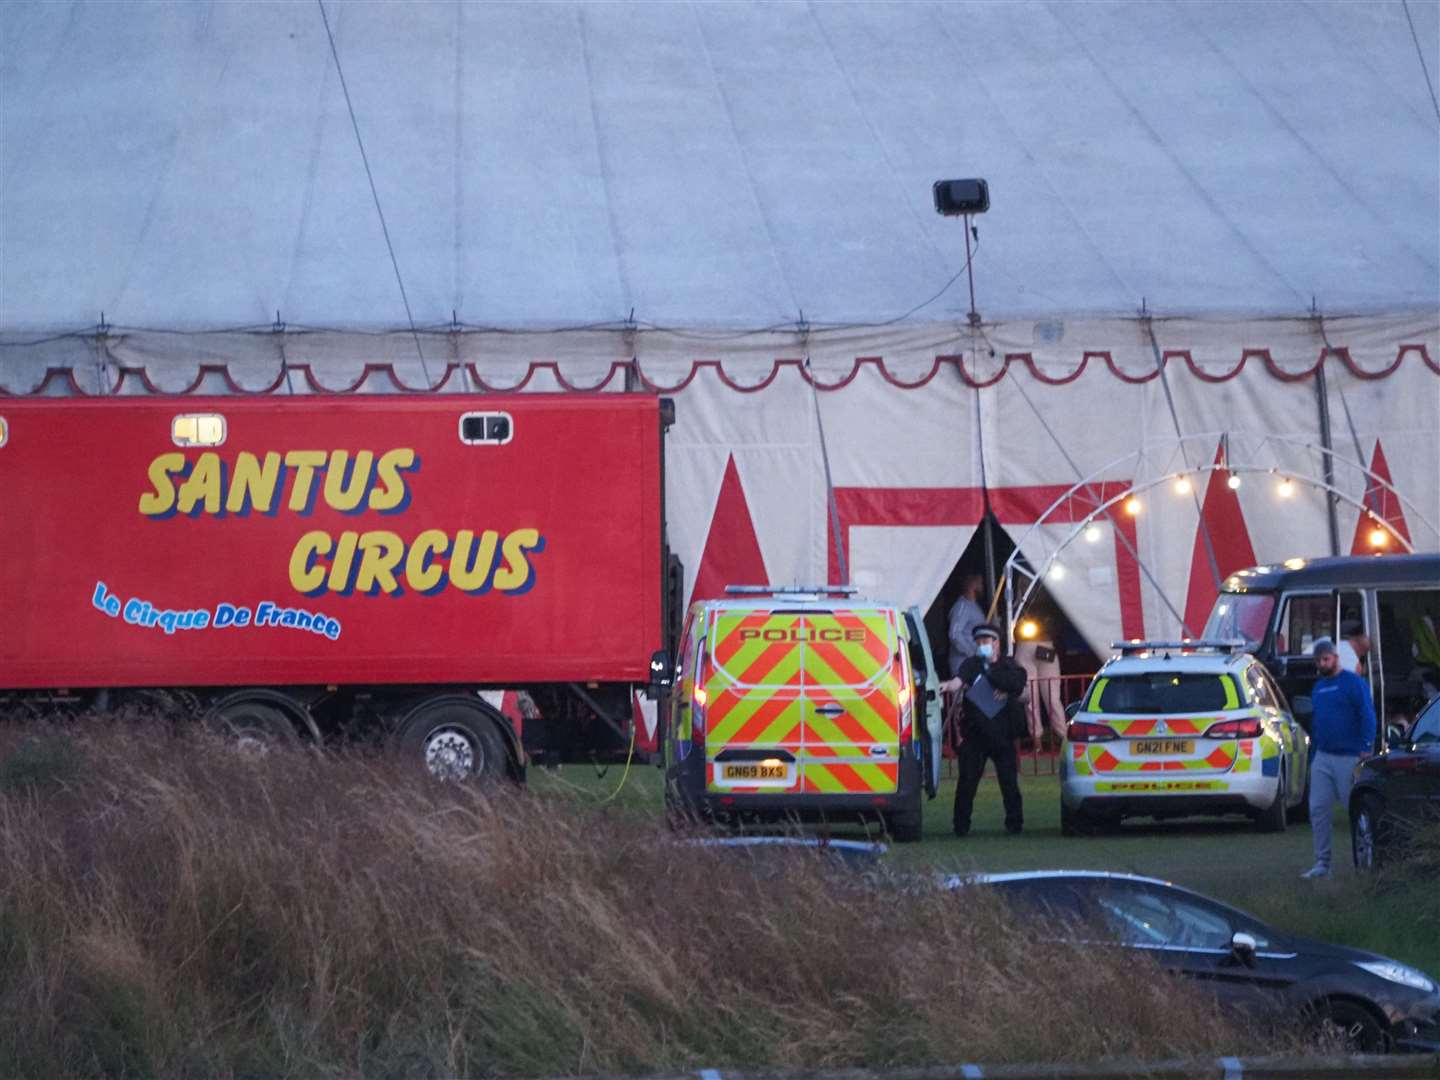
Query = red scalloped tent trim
x=620 y=368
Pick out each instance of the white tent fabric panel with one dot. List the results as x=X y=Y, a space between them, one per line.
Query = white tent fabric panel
x=194 y=166
x=906 y=565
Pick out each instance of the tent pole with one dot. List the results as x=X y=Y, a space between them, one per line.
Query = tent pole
x=1322 y=401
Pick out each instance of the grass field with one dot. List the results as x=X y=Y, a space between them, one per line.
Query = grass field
x=174 y=905
x=1223 y=858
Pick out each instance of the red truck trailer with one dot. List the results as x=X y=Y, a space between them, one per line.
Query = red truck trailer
x=316 y=565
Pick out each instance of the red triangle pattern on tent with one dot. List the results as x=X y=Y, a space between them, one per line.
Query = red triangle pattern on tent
x=1221 y=515
x=732 y=554
x=1381 y=502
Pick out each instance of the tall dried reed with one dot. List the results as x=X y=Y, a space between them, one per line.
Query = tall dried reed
x=171 y=906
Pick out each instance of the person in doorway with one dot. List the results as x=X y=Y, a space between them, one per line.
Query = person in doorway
x=991 y=719
x=1354 y=649
x=1342 y=731
x=1041 y=661
x=965 y=615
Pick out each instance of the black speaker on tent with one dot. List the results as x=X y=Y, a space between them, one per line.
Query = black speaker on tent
x=957 y=197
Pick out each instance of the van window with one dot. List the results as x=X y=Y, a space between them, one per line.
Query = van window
x=1240 y=615
x=1162 y=692
x=1305 y=621
x=1409 y=645
x=794 y=648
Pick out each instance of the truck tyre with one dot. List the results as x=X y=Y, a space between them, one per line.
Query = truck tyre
x=256 y=725
x=1272 y=819
x=455 y=741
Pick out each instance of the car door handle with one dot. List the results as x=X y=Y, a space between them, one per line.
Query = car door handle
x=830 y=710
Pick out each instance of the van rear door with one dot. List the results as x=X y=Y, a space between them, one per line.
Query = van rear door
x=853 y=677
x=803 y=701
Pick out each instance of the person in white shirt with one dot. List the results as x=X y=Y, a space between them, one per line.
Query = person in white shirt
x=1354 y=648
x=965 y=615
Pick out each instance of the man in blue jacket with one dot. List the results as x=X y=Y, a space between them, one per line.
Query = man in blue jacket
x=1342 y=731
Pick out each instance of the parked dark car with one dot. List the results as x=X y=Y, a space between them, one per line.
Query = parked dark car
x=1371 y=1002
x=1397 y=793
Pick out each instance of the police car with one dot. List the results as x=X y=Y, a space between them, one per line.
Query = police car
x=1178 y=728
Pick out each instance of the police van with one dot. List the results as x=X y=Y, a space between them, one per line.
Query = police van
x=809 y=704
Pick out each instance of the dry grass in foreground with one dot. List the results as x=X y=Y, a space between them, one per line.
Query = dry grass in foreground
x=172 y=908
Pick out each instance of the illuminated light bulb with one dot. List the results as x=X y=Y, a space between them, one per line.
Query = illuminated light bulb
x=1133 y=506
x=1286 y=489
x=1028 y=629
x=1056 y=572
x=1294 y=564
x=1092 y=534
x=1182 y=486
x=1233 y=482
x=1379 y=538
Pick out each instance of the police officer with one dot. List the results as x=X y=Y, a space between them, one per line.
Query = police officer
x=991 y=718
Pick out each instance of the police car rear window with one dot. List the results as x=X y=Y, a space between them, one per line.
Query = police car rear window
x=1162 y=692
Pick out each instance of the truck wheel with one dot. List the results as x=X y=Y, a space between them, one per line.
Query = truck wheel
x=455 y=742
x=256 y=725
x=1272 y=819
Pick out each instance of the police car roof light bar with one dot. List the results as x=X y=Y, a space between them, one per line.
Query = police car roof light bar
x=1225 y=645
x=779 y=590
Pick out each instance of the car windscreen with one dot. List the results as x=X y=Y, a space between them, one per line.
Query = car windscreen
x=1162 y=692
x=1240 y=615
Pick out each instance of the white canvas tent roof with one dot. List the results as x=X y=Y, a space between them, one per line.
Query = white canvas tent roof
x=186 y=166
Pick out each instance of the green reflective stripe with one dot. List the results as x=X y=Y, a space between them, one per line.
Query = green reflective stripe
x=1095 y=695
x=1231 y=700
x=821 y=778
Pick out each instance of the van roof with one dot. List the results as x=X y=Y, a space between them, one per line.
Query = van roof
x=794 y=601
x=1353 y=570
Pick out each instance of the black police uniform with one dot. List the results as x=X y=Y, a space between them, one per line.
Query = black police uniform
x=990 y=737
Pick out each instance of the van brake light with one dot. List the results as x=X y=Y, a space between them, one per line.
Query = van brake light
x=1084 y=731
x=697 y=716
x=1234 y=729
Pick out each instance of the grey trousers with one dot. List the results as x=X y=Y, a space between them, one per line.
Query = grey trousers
x=1330 y=778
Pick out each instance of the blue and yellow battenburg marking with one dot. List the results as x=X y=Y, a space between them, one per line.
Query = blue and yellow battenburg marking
x=370 y=562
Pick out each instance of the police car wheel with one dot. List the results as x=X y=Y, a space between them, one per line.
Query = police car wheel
x=1074 y=823
x=1272 y=819
x=1300 y=812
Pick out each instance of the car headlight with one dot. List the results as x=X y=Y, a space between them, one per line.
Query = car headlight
x=1398 y=973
